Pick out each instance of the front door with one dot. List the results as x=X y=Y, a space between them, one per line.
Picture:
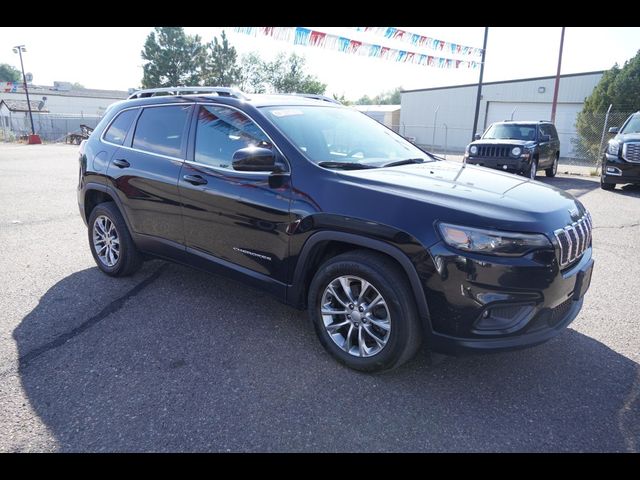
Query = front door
x=239 y=217
x=544 y=148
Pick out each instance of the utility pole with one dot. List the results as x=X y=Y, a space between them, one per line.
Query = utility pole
x=33 y=138
x=484 y=52
x=555 y=89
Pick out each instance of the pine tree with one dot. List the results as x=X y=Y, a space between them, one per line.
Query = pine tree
x=173 y=58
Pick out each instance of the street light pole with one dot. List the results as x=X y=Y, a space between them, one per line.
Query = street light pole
x=19 y=49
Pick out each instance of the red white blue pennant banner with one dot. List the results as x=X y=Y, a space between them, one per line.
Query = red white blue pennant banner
x=418 y=40
x=312 y=38
x=10 y=87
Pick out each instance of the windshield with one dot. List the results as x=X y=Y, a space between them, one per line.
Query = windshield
x=511 y=131
x=342 y=137
x=633 y=126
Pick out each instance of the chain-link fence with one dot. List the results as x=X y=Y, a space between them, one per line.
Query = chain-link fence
x=52 y=127
x=591 y=135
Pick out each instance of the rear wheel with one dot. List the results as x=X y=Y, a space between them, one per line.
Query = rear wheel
x=111 y=245
x=551 y=172
x=363 y=311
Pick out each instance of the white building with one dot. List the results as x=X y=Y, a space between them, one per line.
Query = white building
x=388 y=115
x=57 y=110
x=442 y=117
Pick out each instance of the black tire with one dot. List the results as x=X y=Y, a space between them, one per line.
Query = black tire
x=551 y=171
x=606 y=186
x=129 y=259
x=405 y=335
x=533 y=169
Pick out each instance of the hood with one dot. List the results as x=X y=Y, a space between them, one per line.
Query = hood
x=503 y=141
x=492 y=198
x=628 y=137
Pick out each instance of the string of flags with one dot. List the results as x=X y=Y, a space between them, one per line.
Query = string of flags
x=9 y=87
x=418 y=40
x=313 y=38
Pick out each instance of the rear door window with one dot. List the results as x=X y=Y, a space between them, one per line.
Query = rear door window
x=161 y=130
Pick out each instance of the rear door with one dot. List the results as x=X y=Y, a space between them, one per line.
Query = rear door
x=144 y=171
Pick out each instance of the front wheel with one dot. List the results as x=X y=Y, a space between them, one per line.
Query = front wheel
x=551 y=172
x=533 y=169
x=363 y=311
x=606 y=186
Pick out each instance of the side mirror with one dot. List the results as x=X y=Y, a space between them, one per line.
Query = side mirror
x=614 y=129
x=477 y=136
x=254 y=159
x=545 y=138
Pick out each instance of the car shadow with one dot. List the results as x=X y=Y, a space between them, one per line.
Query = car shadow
x=629 y=190
x=185 y=361
x=576 y=185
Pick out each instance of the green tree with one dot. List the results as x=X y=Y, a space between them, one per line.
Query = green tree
x=173 y=58
x=619 y=87
x=253 y=78
x=287 y=75
x=342 y=99
x=78 y=86
x=9 y=74
x=221 y=67
x=391 y=97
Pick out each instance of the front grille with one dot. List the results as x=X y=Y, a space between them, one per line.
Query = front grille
x=573 y=240
x=631 y=152
x=493 y=151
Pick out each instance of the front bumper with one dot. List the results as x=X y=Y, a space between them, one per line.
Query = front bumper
x=481 y=303
x=506 y=164
x=622 y=171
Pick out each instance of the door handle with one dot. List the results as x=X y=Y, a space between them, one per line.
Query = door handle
x=195 y=179
x=121 y=163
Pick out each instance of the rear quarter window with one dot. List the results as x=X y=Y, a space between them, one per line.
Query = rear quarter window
x=117 y=131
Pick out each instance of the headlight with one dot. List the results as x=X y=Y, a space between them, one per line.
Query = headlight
x=473 y=150
x=516 y=151
x=613 y=148
x=491 y=242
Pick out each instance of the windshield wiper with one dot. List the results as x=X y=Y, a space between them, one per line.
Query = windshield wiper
x=345 y=165
x=403 y=162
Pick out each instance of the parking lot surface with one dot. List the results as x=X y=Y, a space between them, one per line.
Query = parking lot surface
x=173 y=359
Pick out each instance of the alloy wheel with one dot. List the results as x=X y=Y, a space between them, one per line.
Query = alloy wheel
x=356 y=316
x=106 y=241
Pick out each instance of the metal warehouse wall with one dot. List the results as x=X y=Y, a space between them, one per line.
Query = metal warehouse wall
x=442 y=118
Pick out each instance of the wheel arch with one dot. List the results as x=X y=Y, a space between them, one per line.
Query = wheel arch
x=326 y=244
x=95 y=194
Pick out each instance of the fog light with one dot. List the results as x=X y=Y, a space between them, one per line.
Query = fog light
x=504 y=167
x=503 y=319
x=614 y=171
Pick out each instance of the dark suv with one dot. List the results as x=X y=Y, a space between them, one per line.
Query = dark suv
x=621 y=159
x=518 y=147
x=327 y=209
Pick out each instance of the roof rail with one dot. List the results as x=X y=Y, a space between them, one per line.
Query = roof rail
x=221 y=91
x=317 y=97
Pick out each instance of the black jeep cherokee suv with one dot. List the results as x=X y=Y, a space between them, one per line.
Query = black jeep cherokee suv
x=518 y=147
x=621 y=159
x=329 y=210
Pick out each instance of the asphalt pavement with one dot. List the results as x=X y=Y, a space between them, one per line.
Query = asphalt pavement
x=172 y=359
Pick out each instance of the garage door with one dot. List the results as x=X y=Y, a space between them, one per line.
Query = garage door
x=565 y=118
